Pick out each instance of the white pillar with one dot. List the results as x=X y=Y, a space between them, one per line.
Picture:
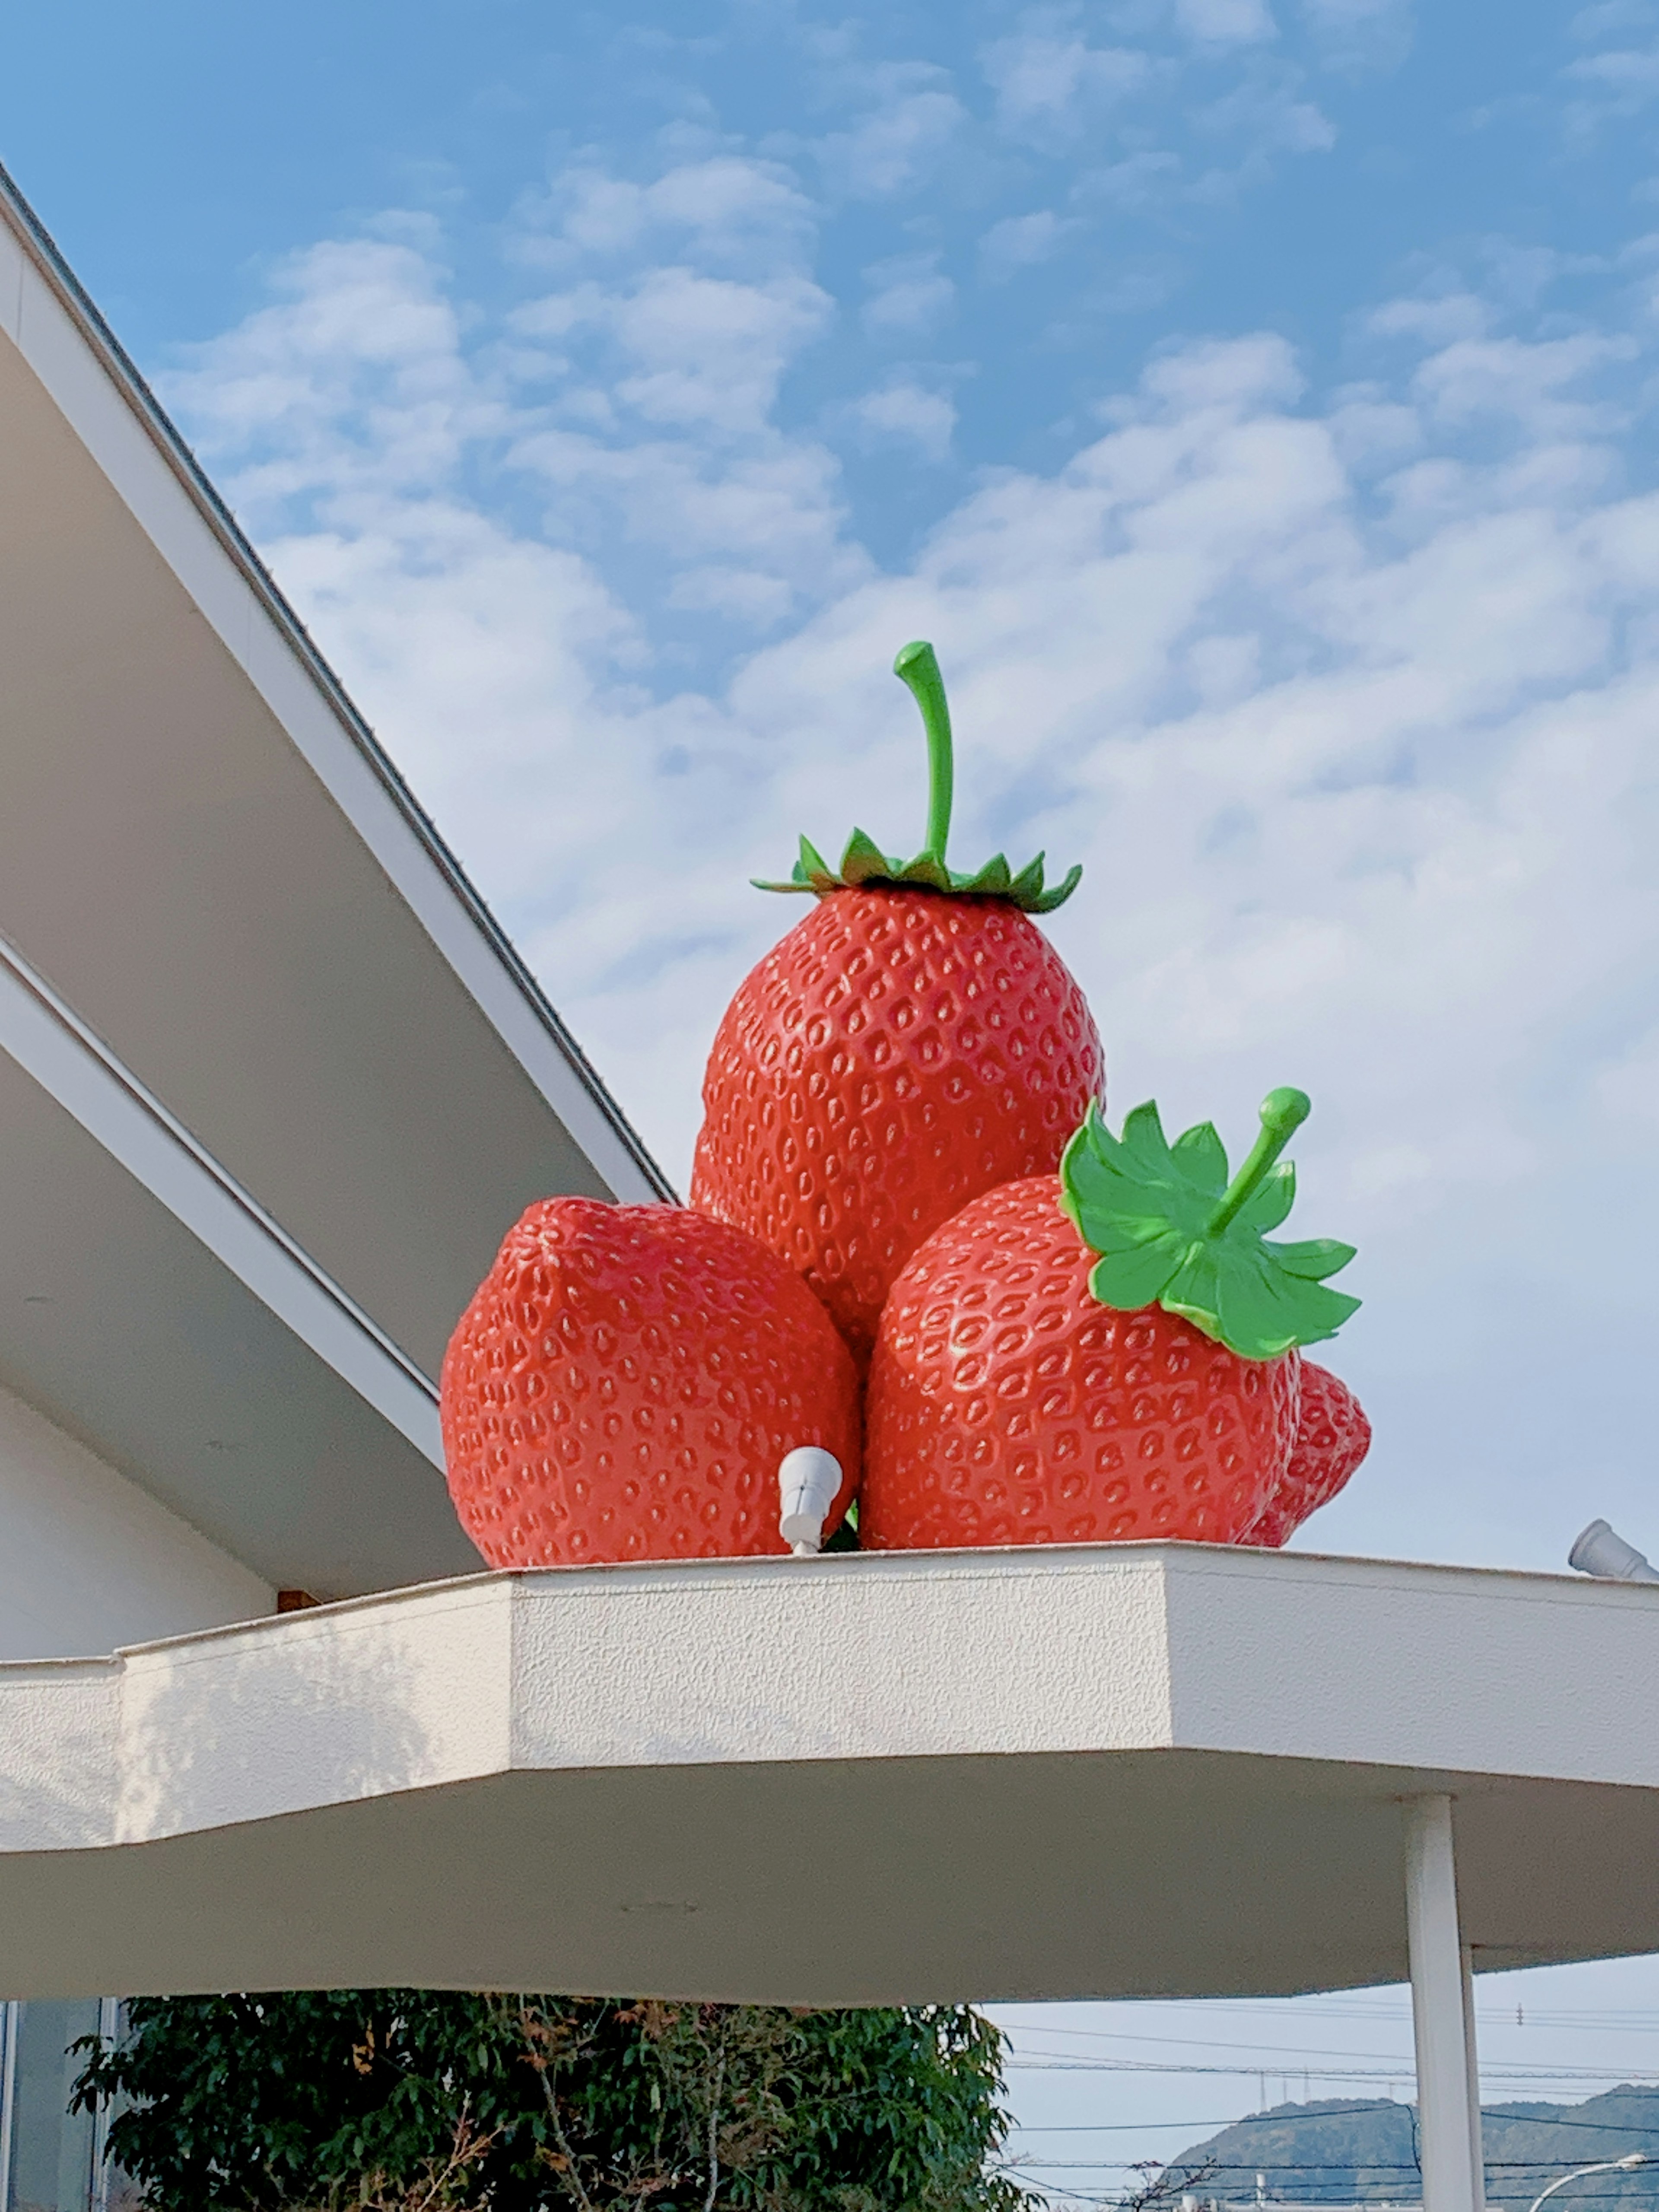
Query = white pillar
x=1439 y=2019
x=1472 y=2062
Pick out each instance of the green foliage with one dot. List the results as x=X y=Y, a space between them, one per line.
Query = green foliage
x=1172 y=1232
x=432 y=2098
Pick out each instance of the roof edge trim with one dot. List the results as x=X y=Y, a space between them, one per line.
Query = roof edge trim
x=48 y=1040
x=43 y=253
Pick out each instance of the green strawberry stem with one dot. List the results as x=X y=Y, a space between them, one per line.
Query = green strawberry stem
x=1168 y=1230
x=916 y=666
x=863 y=866
x=1283 y=1113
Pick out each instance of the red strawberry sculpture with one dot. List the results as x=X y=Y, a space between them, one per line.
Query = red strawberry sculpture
x=1107 y=1352
x=914 y=1042
x=1103 y=1355
x=625 y=1383
x=1332 y=1438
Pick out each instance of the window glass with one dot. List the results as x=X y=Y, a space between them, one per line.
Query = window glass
x=52 y=2150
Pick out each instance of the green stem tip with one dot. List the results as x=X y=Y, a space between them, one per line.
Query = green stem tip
x=916 y=666
x=1283 y=1113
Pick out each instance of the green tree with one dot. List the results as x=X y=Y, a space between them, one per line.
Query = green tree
x=428 y=2099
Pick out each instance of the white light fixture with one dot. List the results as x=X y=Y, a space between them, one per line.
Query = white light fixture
x=808 y=1478
x=1631 y=2158
x=1601 y=1551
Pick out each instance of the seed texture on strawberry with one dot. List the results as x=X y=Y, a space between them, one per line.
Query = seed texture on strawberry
x=625 y=1383
x=1332 y=1438
x=915 y=1040
x=1105 y=1355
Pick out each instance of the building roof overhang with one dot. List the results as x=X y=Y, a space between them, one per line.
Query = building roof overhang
x=213 y=879
x=1056 y=1772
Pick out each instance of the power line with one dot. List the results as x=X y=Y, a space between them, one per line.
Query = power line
x=1347 y=2111
x=1355 y=2111
x=1279 y=2059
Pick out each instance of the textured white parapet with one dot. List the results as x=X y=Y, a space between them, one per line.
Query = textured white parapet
x=1110 y=1769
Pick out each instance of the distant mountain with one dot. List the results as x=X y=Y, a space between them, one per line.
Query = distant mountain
x=1343 y=2151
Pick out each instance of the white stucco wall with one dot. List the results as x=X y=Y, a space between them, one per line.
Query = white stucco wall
x=89 y=1561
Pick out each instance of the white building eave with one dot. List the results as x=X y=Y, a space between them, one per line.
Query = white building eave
x=273 y=1083
x=41 y=302
x=1099 y=1771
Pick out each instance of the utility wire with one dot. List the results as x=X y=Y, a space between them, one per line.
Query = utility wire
x=1347 y=2111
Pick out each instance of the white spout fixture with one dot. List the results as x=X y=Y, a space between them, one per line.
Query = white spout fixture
x=1631 y=2159
x=808 y=1478
x=1601 y=1551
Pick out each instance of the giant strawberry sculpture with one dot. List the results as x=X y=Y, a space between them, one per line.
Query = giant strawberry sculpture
x=1103 y=1355
x=1106 y=1353
x=913 y=1041
x=625 y=1384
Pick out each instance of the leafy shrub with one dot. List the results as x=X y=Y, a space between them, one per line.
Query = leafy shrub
x=426 y=2101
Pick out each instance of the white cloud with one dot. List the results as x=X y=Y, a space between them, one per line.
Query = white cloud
x=909 y=117
x=1435 y=320
x=910 y=413
x=355 y=376
x=1190 y=101
x=1596 y=22
x=727 y=207
x=1045 y=79
x=695 y=349
x=1528 y=381
x=1225 y=22
x=909 y=296
x=1265 y=115
x=1629 y=77
x=1021 y=241
x=1606 y=87
x=1356 y=34
x=647 y=382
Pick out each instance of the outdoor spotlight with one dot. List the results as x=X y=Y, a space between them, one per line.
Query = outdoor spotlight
x=1601 y=1551
x=808 y=1478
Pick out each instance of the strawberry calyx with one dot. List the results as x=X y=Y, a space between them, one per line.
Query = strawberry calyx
x=863 y=866
x=1171 y=1231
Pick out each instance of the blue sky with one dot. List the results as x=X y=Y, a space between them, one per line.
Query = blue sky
x=1252 y=398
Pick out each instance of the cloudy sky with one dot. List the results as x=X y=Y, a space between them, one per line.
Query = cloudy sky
x=1252 y=398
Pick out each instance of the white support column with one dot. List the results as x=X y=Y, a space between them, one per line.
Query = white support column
x=1472 y=2062
x=1439 y=2019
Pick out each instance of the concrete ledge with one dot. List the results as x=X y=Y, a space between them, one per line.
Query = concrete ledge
x=1098 y=1771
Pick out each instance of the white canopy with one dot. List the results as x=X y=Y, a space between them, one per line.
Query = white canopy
x=1100 y=1771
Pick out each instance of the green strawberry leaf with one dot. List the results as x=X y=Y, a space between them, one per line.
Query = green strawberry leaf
x=993 y=880
x=1171 y=1231
x=812 y=873
x=1130 y=1278
x=1042 y=902
x=1027 y=885
x=1273 y=1201
x=1318 y=1257
x=1202 y=1157
x=863 y=861
x=863 y=866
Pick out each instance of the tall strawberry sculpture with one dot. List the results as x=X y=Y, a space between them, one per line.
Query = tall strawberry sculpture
x=1106 y=1354
x=903 y=1166
x=913 y=1041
